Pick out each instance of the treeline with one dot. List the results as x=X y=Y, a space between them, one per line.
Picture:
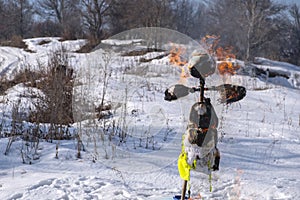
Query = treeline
x=252 y=27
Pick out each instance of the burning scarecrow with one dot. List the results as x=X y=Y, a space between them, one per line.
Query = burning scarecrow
x=199 y=142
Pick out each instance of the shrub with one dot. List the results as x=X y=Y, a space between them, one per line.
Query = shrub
x=15 y=41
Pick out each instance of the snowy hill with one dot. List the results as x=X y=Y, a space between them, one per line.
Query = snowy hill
x=259 y=136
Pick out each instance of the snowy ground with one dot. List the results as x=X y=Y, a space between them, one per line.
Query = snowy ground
x=259 y=141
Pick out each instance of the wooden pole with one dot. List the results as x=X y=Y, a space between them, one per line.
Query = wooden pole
x=202 y=83
x=183 y=190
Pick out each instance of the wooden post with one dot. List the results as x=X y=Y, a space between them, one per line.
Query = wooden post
x=183 y=190
x=202 y=83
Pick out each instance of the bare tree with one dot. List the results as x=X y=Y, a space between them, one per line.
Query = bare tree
x=295 y=34
x=56 y=9
x=162 y=15
x=47 y=28
x=196 y=26
x=184 y=16
x=259 y=18
x=2 y=20
x=16 y=17
x=127 y=14
x=94 y=12
x=24 y=16
x=249 y=26
x=65 y=13
x=225 y=20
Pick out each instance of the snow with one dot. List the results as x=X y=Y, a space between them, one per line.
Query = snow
x=279 y=73
x=10 y=59
x=259 y=136
x=52 y=44
x=120 y=42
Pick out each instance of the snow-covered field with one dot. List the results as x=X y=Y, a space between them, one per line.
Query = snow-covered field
x=259 y=136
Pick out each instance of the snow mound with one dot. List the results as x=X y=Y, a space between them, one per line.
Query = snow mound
x=275 y=72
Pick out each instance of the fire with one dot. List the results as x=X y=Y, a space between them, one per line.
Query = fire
x=175 y=56
x=227 y=64
x=231 y=93
x=210 y=41
x=175 y=59
x=226 y=60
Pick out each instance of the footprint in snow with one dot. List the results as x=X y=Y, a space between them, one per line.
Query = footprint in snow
x=42 y=183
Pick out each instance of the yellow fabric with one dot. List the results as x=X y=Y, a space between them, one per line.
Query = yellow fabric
x=183 y=167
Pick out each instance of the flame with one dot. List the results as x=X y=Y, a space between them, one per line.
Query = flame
x=231 y=93
x=211 y=42
x=175 y=59
x=226 y=60
x=227 y=67
x=227 y=64
x=175 y=56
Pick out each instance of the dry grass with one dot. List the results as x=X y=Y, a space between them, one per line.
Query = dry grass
x=26 y=76
x=89 y=46
x=44 y=42
x=141 y=52
x=16 y=41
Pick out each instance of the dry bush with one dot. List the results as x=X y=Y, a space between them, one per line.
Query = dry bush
x=142 y=52
x=89 y=46
x=54 y=105
x=26 y=76
x=15 y=41
x=44 y=42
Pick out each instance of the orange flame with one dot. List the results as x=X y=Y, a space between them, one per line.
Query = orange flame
x=226 y=59
x=227 y=64
x=210 y=41
x=175 y=59
x=175 y=56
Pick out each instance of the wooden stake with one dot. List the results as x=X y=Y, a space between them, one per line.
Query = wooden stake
x=183 y=190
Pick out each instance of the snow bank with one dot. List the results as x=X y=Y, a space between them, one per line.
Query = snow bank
x=279 y=73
